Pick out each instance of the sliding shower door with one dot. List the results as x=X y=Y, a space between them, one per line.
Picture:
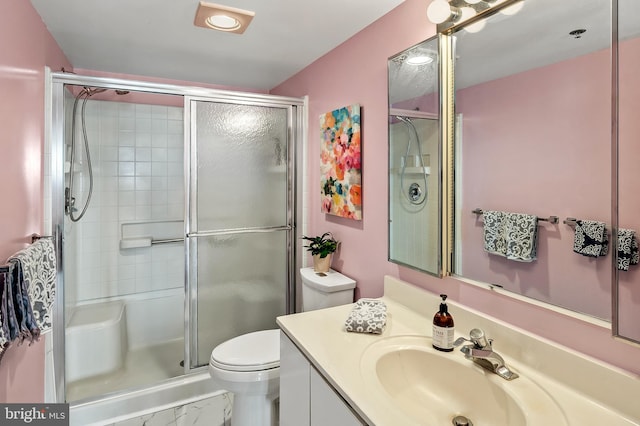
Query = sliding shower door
x=239 y=227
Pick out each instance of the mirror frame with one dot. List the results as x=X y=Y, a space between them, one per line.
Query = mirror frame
x=445 y=174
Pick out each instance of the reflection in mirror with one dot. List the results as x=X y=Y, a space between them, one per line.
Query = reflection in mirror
x=535 y=139
x=627 y=316
x=414 y=158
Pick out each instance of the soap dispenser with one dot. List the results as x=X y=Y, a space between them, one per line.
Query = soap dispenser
x=442 y=336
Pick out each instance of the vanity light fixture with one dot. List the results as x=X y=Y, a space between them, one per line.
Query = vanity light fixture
x=450 y=12
x=513 y=9
x=222 y=18
x=440 y=11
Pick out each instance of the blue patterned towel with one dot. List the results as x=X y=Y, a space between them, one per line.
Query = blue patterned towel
x=512 y=235
x=367 y=316
x=521 y=232
x=40 y=275
x=628 y=252
x=27 y=293
x=493 y=232
x=590 y=238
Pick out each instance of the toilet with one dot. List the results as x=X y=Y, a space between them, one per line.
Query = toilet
x=249 y=365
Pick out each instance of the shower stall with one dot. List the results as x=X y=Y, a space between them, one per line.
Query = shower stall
x=174 y=212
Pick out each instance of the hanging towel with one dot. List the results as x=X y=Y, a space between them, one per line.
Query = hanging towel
x=493 y=230
x=367 y=316
x=27 y=329
x=590 y=238
x=628 y=251
x=38 y=262
x=5 y=335
x=521 y=236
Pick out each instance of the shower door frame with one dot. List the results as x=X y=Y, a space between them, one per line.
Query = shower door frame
x=191 y=207
x=297 y=134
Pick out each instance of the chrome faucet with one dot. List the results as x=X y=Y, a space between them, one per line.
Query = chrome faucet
x=481 y=352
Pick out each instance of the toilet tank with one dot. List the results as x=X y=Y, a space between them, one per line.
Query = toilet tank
x=325 y=289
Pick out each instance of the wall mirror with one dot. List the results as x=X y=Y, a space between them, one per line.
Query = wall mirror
x=415 y=158
x=626 y=317
x=533 y=98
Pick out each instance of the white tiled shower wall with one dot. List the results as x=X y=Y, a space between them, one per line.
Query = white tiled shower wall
x=137 y=155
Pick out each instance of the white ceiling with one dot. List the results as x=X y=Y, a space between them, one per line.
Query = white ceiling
x=157 y=37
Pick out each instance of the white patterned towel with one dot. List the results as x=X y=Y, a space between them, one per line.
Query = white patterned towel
x=367 y=316
x=512 y=235
x=40 y=274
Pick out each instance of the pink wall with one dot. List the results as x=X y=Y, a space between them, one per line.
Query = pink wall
x=26 y=48
x=536 y=142
x=356 y=72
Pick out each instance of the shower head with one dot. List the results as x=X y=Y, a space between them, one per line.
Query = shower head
x=92 y=91
x=403 y=119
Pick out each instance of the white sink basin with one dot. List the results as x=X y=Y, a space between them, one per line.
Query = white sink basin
x=428 y=387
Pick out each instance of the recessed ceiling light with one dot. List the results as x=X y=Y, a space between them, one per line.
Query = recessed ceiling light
x=222 y=18
x=419 y=60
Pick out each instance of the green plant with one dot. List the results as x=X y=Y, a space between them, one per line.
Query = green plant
x=323 y=245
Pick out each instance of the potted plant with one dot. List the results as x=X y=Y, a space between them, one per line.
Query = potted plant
x=321 y=248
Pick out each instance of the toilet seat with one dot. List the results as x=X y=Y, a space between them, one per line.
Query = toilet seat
x=255 y=351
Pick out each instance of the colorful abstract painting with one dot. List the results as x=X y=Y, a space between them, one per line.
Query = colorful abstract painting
x=340 y=165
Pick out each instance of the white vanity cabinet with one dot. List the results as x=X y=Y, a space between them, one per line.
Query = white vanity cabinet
x=305 y=397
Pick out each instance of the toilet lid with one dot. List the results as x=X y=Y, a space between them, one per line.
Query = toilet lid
x=259 y=350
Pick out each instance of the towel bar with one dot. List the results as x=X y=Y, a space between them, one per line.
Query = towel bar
x=550 y=219
x=34 y=237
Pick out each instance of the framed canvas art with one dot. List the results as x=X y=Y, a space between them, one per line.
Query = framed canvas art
x=340 y=163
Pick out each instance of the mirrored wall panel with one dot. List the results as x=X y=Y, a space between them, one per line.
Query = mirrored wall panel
x=628 y=292
x=533 y=144
x=414 y=158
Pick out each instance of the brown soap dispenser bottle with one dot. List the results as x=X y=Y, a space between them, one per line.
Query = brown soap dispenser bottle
x=442 y=336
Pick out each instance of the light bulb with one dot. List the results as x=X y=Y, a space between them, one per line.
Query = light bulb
x=466 y=13
x=223 y=22
x=476 y=27
x=513 y=9
x=438 y=11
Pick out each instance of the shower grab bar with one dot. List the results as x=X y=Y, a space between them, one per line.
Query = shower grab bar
x=34 y=237
x=231 y=231
x=167 y=241
x=573 y=222
x=550 y=219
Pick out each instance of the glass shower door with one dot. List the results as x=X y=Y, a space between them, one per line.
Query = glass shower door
x=240 y=221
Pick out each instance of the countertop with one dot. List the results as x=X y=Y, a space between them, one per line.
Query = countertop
x=587 y=391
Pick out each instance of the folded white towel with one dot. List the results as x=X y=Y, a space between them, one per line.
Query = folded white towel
x=367 y=316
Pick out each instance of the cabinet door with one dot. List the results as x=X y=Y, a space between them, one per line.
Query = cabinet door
x=294 y=385
x=327 y=407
